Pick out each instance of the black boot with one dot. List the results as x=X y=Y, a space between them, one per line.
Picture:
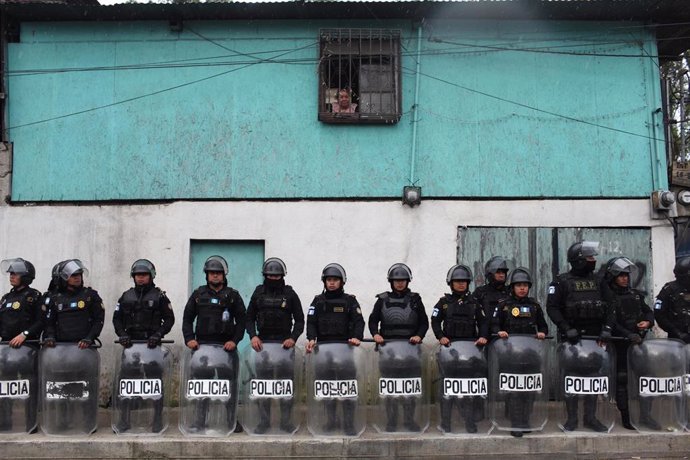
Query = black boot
x=625 y=420
x=349 y=418
x=201 y=410
x=264 y=417
x=331 y=421
x=157 y=426
x=446 y=409
x=571 y=403
x=409 y=405
x=391 y=415
x=124 y=423
x=646 y=419
x=286 y=416
x=590 y=416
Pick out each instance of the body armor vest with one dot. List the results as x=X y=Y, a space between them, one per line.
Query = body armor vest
x=214 y=312
x=398 y=318
x=583 y=302
x=628 y=311
x=72 y=314
x=15 y=312
x=460 y=318
x=679 y=310
x=333 y=318
x=141 y=312
x=490 y=297
x=521 y=316
x=274 y=317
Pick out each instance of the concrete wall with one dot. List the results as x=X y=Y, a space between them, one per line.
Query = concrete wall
x=132 y=110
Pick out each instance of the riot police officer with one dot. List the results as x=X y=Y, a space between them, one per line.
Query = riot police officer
x=633 y=319
x=275 y=314
x=399 y=314
x=335 y=316
x=220 y=318
x=142 y=313
x=488 y=295
x=521 y=314
x=672 y=306
x=576 y=306
x=21 y=318
x=75 y=314
x=458 y=316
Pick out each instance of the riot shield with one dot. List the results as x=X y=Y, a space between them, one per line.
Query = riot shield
x=18 y=388
x=401 y=403
x=686 y=382
x=519 y=385
x=586 y=386
x=655 y=380
x=140 y=383
x=69 y=379
x=336 y=390
x=208 y=391
x=462 y=387
x=271 y=385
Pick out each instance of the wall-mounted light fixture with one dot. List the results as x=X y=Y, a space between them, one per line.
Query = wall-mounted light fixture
x=412 y=195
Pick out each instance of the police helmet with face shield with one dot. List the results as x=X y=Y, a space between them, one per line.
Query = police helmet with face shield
x=216 y=264
x=72 y=267
x=143 y=267
x=579 y=252
x=495 y=264
x=274 y=266
x=334 y=270
x=21 y=267
x=520 y=275
x=399 y=272
x=459 y=272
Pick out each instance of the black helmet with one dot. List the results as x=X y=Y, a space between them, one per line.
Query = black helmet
x=520 y=275
x=582 y=249
x=618 y=265
x=399 y=272
x=459 y=272
x=495 y=264
x=55 y=281
x=216 y=264
x=71 y=267
x=143 y=266
x=274 y=266
x=682 y=270
x=335 y=270
x=21 y=267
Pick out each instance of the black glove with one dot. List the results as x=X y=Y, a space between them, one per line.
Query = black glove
x=684 y=336
x=154 y=340
x=125 y=341
x=573 y=335
x=635 y=339
x=605 y=336
x=49 y=342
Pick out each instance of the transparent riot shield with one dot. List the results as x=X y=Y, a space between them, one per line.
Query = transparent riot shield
x=69 y=379
x=518 y=394
x=18 y=388
x=462 y=387
x=140 y=385
x=271 y=386
x=586 y=386
x=208 y=391
x=686 y=382
x=655 y=381
x=336 y=390
x=401 y=397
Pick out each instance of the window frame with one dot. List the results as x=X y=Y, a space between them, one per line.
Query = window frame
x=392 y=40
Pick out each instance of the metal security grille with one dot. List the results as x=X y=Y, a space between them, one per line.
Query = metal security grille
x=359 y=74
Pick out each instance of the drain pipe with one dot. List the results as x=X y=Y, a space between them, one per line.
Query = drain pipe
x=416 y=102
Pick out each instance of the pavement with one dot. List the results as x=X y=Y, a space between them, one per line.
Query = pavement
x=550 y=443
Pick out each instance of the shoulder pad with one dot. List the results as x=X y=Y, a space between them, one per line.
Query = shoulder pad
x=382 y=295
x=288 y=289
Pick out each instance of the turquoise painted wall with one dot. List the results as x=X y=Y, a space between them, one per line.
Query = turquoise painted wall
x=234 y=127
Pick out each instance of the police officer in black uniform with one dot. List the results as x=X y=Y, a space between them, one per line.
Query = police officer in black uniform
x=458 y=316
x=21 y=318
x=495 y=289
x=220 y=318
x=142 y=313
x=399 y=314
x=275 y=314
x=75 y=313
x=672 y=306
x=521 y=314
x=634 y=319
x=576 y=306
x=335 y=316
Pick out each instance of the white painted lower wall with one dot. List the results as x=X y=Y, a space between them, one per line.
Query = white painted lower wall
x=365 y=237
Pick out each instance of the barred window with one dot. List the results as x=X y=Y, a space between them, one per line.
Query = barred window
x=359 y=74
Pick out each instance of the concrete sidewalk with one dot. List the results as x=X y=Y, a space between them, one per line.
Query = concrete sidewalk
x=550 y=443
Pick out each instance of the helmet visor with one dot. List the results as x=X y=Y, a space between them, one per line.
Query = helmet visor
x=17 y=266
x=624 y=265
x=590 y=248
x=73 y=267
